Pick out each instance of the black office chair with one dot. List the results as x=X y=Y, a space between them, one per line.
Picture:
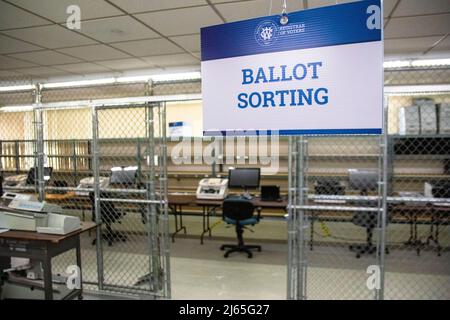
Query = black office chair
x=109 y=216
x=239 y=212
x=369 y=221
x=33 y=174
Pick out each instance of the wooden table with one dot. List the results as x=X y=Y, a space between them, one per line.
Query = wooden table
x=43 y=247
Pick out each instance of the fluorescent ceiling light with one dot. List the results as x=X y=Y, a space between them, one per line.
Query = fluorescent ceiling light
x=157 y=78
x=177 y=76
x=133 y=79
x=416 y=63
x=396 y=64
x=17 y=88
x=430 y=62
x=82 y=83
x=22 y=108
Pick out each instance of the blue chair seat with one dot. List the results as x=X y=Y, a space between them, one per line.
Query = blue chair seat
x=242 y=222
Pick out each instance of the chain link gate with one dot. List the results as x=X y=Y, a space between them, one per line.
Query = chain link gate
x=321 y=264
x=135 y=256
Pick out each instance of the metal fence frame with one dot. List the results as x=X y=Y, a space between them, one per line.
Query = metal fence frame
x=155 y=194
x=298 y=196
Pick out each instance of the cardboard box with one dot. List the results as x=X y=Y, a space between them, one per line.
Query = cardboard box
x=444 y=118
x=409 y=120
x=428 y=118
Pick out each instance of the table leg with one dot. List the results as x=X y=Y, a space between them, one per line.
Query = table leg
x=311 y=236
x=436 y=240
x=207 y=222
x=416 y=241
x=411 y=230
x=435 y=221
x=78 y=257
x=48 y=286
x=206 y=227
x=177 y=213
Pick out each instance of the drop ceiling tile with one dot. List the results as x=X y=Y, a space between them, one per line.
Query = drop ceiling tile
x=116 y=29
x=135 y=6
x=13 y=17
x=11 y=63
x=236 y=11
x=189 y=42
x=183 y=59
x=443 y=46
x=124 y=64
x=409 y=45
x=83 y=68
x=324 y=3
x=95 y=52
x=9 y=45
x=388 y=4
x=224 y=1
x=51 y=37
x=418 y=26
x=45 y=58
x=150 y=47
x=8 y=74
x=184 y=21
x=42 y=71
x=421 y=7
x=56 y=10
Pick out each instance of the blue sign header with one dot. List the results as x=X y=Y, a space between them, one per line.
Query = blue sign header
x=320 y=27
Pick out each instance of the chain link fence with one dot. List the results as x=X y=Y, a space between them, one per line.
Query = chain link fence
x=419 y=175
x=338 y=251
x=115 y=149
x=82 y=146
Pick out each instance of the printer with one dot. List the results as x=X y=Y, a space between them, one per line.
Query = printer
x=19 y=180
x=19 y=213
x=212 y=189
x=437 y=189
x=88 y=183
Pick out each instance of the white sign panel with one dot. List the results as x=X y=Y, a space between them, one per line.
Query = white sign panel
x=306 y=77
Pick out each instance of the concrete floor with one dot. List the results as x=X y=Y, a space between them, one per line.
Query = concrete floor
x=201 y=271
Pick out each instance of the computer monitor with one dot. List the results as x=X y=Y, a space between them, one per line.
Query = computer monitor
x=363 y=180
x=33 y=174
x=270 y=193
x=328 y=186
x=245 y=178
x=126 y=175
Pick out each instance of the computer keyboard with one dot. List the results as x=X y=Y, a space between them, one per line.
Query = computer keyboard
x=330 y=201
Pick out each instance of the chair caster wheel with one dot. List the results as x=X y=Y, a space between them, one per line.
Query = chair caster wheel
x=358 y=256
x=225 y=256
x=221 y=249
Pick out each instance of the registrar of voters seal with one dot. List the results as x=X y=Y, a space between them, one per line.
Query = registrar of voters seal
x=266 y=33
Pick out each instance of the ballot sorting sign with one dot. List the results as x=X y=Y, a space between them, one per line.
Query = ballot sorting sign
x=321 y=73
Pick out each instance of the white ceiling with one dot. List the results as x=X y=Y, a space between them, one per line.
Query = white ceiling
x=117 y=36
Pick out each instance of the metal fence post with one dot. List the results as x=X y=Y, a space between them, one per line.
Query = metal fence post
x=291 y=218
x=39 y=140
x=301 y=180
x=384 y=213
x=164 y=197
x=98 y=218
x=151 y=208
